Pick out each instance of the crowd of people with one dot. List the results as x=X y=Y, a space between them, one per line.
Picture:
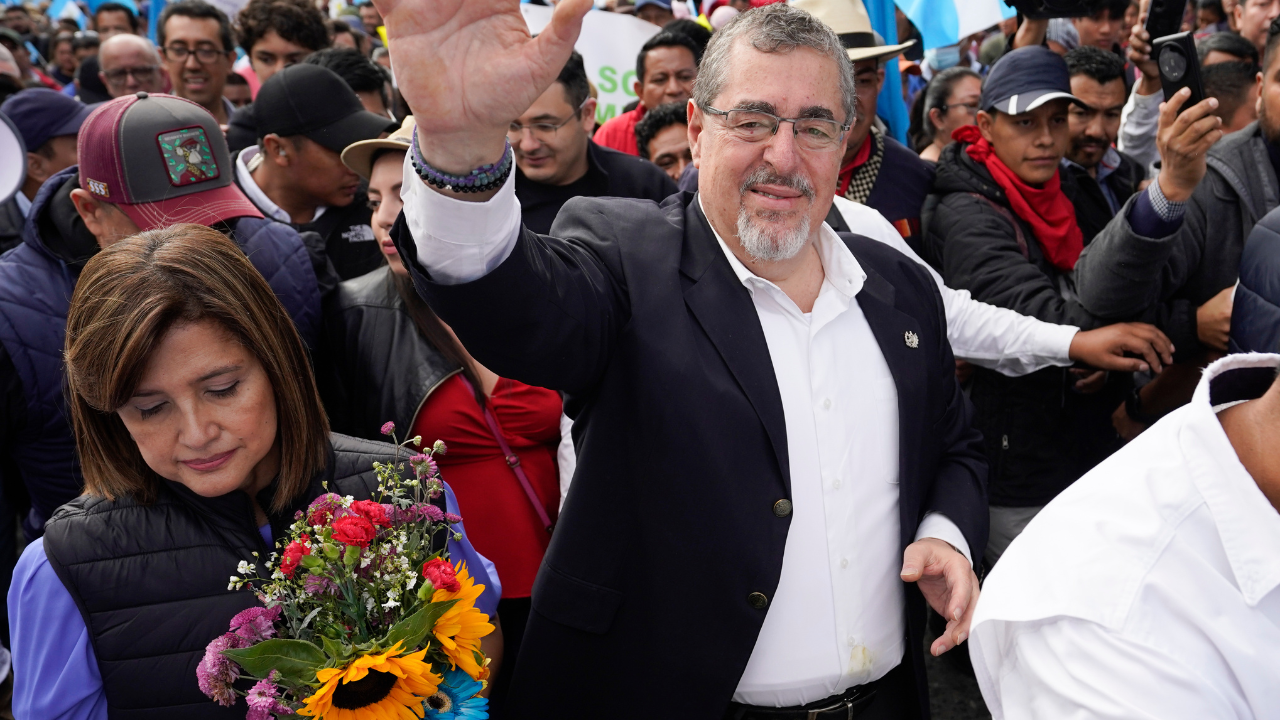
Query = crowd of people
x=939 y=354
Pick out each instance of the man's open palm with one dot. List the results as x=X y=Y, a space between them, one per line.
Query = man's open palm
x=468 y=68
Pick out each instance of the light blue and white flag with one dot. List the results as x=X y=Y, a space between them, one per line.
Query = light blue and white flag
x=945 y=22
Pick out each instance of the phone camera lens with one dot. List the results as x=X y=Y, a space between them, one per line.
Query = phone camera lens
x=1172 y=64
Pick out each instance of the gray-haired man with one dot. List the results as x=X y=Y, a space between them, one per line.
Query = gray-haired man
x=775 y=463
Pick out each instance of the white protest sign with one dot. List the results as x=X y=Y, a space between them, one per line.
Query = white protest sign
x=609 y=43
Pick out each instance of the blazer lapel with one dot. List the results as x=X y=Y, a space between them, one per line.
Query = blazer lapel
x=906 y=353
x=723 y=307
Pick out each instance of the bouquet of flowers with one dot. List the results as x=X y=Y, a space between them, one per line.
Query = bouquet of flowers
x=363 y=614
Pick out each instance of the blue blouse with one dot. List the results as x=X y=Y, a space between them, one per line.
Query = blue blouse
x=55 y=672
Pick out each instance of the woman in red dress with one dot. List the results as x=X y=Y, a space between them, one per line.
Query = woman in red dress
x=387 y=356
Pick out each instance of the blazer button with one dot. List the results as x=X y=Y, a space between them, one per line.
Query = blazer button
x=782 y=508
x=757 y=600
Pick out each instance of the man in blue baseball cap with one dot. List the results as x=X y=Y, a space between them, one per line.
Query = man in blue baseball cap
x=49 y=123
x=999 y=225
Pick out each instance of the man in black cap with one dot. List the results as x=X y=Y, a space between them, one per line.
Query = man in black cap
x=48 y=122
x=306 y=116
x=999 y=225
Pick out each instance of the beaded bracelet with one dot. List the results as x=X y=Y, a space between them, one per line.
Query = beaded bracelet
x=482 y=179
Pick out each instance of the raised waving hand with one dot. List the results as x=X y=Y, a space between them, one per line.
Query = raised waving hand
x=468 y=68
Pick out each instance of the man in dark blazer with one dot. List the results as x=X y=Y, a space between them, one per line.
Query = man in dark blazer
x=775 y=464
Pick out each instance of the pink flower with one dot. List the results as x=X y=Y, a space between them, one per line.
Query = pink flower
x=353 y=530
x=388 y=427
x=325 y=508
x=371 y=511
x=452 y=519
x=255 y=624
x=442 y=575
x=262 y=700
x=424 y=466
x=292 y=556
x=316 y=585
x=216 y=672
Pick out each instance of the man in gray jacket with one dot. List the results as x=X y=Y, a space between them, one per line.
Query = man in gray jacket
x=1196 y=257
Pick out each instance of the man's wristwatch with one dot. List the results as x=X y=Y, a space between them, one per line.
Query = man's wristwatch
x=1133 y=408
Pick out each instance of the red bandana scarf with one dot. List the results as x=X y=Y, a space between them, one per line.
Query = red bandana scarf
x=1047 y=209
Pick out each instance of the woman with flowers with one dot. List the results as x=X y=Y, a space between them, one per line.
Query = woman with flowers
x=202 y=439
x=389 y=357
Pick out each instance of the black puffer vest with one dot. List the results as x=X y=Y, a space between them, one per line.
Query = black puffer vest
x=151 y=580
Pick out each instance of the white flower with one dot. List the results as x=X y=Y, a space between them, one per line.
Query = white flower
x=244 y=568
x=364 y=561
x=412 y=581
x=368 y=603
x=390 y=604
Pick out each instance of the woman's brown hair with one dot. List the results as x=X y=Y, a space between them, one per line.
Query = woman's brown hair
x=133 y=292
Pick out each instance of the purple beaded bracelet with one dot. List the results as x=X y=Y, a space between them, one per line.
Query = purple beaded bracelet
x=482 y=179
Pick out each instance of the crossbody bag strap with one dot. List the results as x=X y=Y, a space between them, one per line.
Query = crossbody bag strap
x=513 y=460
x=1017 y=228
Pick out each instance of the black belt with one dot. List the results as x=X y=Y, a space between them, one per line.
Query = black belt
x=846 y=706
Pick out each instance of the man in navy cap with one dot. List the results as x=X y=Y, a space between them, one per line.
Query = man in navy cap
x=48 y=122
x=999 y=225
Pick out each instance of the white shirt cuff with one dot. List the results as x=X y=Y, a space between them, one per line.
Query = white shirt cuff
x=939 y=526
x=1055 y=342
x=459 y=241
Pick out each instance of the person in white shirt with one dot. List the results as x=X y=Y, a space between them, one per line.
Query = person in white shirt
x=986 y=335
x=776 y=463
x=1151 y=587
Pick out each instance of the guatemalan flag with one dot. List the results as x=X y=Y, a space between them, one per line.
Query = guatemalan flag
x=944 y=22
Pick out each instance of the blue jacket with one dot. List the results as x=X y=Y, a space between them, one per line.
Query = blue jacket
x=37 y=279
x=1255 y=316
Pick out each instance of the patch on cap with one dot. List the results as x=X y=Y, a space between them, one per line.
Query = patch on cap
x=187 y=156
x=99 y=188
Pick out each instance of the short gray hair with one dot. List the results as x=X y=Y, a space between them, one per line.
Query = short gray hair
x=773 y=28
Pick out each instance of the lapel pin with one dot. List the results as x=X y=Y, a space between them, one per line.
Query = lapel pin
x=912 y=340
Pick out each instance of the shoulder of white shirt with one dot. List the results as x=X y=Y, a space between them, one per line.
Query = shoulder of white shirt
x=1088 y=553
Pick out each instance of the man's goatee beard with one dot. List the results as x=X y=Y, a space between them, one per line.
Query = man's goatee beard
x=759 y=238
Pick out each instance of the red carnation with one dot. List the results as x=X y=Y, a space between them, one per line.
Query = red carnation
x=292 y=556
x=353 y=530
x=441 y=575
x=371 y=511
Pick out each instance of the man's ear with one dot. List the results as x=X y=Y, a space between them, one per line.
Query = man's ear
x=35 y=167
x=986 y=125
x=91 y=211
x=277 y=150
x=589 y=115
x=696 y=128
x=880 y=79
x=635 y=88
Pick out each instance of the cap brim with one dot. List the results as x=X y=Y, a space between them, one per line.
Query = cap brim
x=351 y=129
x=203 y=208
x=359 y=156
x=71 y=126
x=878 y=52
x=1028 y=101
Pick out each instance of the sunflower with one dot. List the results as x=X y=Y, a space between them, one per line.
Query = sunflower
x=374 y=687
x=459 y=630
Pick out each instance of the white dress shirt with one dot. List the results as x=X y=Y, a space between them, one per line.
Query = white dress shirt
x=255 y=194
x=1138 y=122
x=1148 y=589
x=836 y=619
x=992 y=337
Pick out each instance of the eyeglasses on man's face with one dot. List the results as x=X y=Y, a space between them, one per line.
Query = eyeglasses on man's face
x=206 y=54
x=813 y=134
x=120 y=76
x=542 y=131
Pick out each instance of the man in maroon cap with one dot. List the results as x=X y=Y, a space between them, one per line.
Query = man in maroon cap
x=145 y=162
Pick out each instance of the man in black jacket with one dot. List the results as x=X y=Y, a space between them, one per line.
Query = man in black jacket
x=556 y=159
x=306 y=116
x=1097 y=177
x=771 y=440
